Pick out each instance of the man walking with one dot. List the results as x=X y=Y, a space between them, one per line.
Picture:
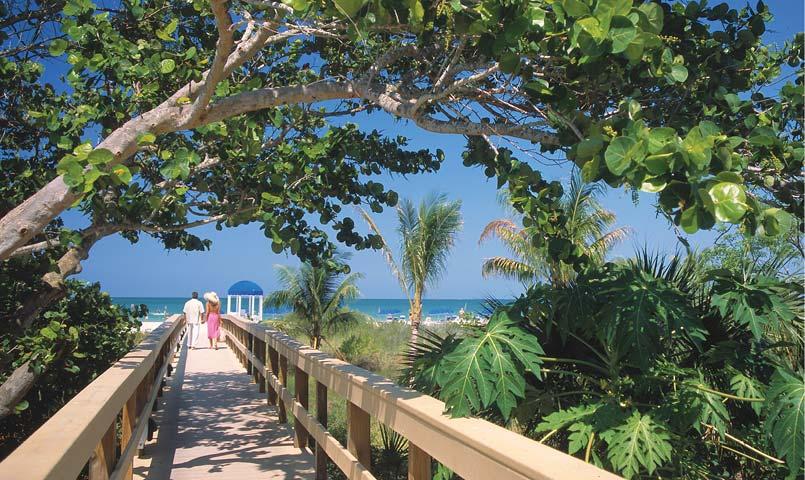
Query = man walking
x=193 y=310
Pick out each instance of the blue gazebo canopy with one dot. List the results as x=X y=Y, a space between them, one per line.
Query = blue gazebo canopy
x=245 y=287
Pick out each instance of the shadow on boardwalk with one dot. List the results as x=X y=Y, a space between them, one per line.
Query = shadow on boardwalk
x=215 y=425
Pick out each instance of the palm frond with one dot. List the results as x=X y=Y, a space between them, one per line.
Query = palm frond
x=501 y=228
x=604 y=243
x=388 y=255
x=508 y=268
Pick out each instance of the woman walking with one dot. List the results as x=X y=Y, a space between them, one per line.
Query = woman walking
x=213 y=318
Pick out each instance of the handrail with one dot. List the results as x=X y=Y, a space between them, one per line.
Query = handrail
x=473 y=448
x=85 y=429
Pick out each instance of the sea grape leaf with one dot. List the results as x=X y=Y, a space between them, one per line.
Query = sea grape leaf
x=729 y=201
x=622 y=32
x=622 y=152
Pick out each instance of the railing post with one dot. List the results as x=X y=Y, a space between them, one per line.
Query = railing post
x=273 y=366
x=145 y=391
x=301 y=390
x=250 y=347
x=281 y=413
x=418 y=463
x=358 y=434
x=243 y=341
x=260 y=376
x=321 y=416
x=128 y=423
x=103 y=460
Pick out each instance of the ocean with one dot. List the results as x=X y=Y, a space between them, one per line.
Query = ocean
x=378 y=308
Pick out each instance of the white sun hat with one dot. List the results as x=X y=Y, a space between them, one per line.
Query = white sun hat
x=211 y=297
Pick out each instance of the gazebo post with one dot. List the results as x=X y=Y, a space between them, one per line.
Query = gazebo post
x=260 y=308
x=239 y=308
x=228 y=304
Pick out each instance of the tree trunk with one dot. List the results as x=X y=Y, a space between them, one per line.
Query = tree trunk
x=30 y=217
x=15 y=388
x=69 y=264
x=416 y=314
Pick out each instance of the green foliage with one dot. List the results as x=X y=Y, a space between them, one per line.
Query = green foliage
x=640 y=444
x=69 y=344
x=755 y=304
x=587 y=225
x=786 y=417
x=489 y=368
x=642 y=372
x=680 y=99
x=359 y=349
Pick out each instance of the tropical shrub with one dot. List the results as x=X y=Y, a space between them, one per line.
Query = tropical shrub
x=648 y=367
x=70 y=344
x=359 y=349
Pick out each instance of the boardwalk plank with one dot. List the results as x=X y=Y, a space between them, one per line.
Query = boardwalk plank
x=216 y=426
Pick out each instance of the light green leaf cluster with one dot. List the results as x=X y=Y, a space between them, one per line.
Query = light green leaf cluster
x=86 y=165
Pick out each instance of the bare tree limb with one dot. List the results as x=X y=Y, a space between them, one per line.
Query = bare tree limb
x=217 y=72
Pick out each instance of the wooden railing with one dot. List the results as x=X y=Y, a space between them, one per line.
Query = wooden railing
x=102 y=427
x=473 y=448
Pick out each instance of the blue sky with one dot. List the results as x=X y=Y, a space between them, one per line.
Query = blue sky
x=146 y=269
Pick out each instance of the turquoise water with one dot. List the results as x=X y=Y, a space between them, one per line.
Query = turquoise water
x=379 y=308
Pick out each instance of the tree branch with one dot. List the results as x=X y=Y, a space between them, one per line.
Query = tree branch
x=217 y=72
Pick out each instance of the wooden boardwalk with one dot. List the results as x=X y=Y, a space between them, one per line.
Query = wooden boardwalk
x=215 y=425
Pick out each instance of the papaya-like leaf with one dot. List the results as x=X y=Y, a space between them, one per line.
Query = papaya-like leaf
x=489 y=368
x=642 y=444
x=785 y=421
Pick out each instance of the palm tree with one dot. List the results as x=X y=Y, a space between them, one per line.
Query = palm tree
x=316 y=296
x=587 y=225
x=427 y=234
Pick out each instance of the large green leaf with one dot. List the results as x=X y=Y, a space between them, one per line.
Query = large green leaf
x=588 y=148
x=709 y=407
x=654 y=15
x=658 y=138
x=641 y=444
x=621 y=32
x=348 y=8
x=776 y=221
x=489 y=369
x=622 y=153
x=167 y=65
x=747 y=387
x=755 y=303
x=563 y=418
x=592 y=26
x=729 y=201
x=785 y=421
x=576 y=8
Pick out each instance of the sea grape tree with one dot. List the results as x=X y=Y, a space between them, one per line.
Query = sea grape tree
x=638 y=94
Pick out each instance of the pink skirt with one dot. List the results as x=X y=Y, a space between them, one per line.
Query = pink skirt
x=213 y=322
